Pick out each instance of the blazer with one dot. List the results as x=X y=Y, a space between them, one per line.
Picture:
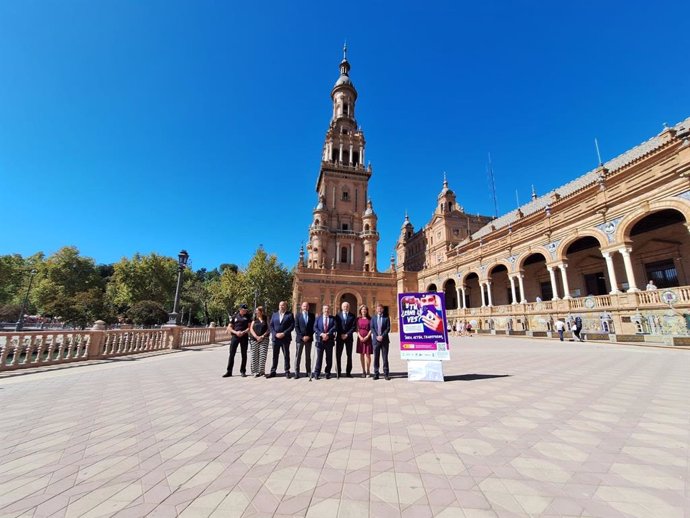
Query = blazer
x=303 y=329
x=346 y=325
x=385 y=330
x=318 y=329
x=286 y=327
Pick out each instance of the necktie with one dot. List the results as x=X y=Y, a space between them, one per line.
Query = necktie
x=379 y=324
x=304 y=315
x=325 y=324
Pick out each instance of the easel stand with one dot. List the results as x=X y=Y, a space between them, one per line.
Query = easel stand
x=431 y=370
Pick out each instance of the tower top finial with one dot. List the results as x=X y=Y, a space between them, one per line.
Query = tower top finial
x=534 y=193
x=345 y=50
x=445 y=180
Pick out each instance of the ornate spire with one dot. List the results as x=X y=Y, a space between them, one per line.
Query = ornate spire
x=534 y=193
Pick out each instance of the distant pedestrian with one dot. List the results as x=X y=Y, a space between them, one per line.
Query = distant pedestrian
x=577 y=329
x=651 y=286
x=560 y=328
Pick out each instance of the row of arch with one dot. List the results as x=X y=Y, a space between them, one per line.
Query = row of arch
x=654 y=248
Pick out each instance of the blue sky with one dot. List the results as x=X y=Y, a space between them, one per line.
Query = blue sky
x=129 y=126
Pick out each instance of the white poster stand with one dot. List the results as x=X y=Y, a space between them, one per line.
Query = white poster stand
x=430 y=370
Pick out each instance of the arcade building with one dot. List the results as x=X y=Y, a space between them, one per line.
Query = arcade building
x=588 y=248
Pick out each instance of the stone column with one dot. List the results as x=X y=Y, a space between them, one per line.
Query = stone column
x=464 y=304
x=352 y=253
x=350 y=154
x=554 y=286
x=458 y=292
x=629 y=273
x=361 y=155
x=521 y=282
x=512 y=289
x=612 y=272
x=488 y=293
x=564 y=277
x=481 y=288
x=337 y=252
x=340 y=156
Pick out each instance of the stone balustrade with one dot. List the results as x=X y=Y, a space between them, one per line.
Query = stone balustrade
x=27 y=349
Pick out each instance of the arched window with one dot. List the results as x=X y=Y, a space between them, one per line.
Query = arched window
x=317 y=222
x=343 y=254
x=366 y=228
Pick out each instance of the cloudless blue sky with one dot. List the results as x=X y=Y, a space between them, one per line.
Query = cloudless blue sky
x=151 y=126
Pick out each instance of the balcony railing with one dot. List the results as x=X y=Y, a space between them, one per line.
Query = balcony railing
x=27 y=349
x=662 y=298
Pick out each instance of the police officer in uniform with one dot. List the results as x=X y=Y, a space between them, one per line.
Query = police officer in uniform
x=239 y=328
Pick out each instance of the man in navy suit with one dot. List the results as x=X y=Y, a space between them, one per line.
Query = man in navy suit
x=304 y=329
x=281 y=325
x=380 y=329
x=324 y=332
x=346 y=323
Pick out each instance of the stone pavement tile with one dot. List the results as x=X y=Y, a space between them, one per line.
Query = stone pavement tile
x=383 y=510
x=323 y=508
x=417 y=511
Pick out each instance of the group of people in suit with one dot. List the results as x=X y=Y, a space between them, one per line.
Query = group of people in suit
x=324 y=331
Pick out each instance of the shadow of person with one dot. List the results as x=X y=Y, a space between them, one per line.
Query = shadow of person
x=473 y=377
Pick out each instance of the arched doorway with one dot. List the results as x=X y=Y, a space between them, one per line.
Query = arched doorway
x=500 y=285
x=584 y=256
x=537 y=282
x=451 y=294
x=473 y=295
x=351 y=299
x=660 y=246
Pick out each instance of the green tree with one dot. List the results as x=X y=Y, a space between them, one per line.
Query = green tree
x=147 y=313
x=151 y=277
x=70 y=287
x=266 y=280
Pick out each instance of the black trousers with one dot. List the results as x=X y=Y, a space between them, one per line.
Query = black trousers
x=340 y=345
x=306 y=347
x=242 y=341
x=381 y=349
x=277 y=347
x=320 y=348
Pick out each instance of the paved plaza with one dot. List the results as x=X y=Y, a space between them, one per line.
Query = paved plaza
x=521 y=427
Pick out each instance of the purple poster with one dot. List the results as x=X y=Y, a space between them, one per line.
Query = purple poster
x=423 y=330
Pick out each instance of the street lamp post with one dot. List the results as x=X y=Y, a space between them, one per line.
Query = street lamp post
x=20 y=322
x=181 y=265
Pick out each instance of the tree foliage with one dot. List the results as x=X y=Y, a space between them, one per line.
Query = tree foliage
x=147 y=313
x=75 y=290
x=69 y=286
x=143 y=277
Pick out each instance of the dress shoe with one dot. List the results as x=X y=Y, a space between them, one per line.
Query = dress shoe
x=388 y=378
x=337 y=376
x=244 y=374
x=257 y=375
x=348 y=375
x=288 y=375
x=272 y=375
x=328 y=376
x=376 y=376
x=296 y=376
x=227 y=375
x=364 y=375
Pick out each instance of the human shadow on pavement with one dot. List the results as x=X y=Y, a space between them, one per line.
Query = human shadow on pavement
x=473 y=377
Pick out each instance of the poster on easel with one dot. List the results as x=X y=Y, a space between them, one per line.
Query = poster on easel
x=423 y=326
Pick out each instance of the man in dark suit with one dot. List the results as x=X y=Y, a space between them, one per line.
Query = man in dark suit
x=281 y=325
x=380 y=329
x=346 y=324
x=304 y=329
x=325 y=332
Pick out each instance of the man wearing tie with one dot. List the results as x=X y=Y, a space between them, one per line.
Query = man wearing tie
x=281 y=325
x=346 y=324
x=325 y=333
x=380 y=328
x=304 y=329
